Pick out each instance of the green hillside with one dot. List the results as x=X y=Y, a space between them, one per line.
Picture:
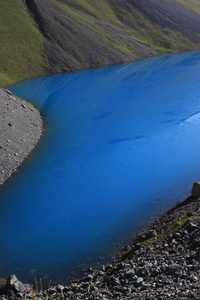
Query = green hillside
x=21 y=47
x=193 y=5
x=50 y=36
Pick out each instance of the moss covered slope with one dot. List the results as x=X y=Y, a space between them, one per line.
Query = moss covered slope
x=21 y=44
x=50 y=36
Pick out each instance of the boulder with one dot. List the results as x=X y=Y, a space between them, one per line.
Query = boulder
x=60 y=288
x=151 y=233
x=140 y=280
x=14 y=284
x=196 y=189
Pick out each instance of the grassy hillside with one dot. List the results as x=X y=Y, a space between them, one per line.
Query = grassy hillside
x=50 y=36
x=131 y=21
x=21 y=47
x=193 y=5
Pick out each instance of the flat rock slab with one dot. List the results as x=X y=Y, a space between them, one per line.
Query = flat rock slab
x=20 y=130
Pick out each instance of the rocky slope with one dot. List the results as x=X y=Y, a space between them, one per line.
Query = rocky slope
x=54 y=36
x=162 y=263
x=20 y=130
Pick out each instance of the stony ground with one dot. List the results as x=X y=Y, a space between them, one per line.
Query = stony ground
x=162 y=263
x=20 y=130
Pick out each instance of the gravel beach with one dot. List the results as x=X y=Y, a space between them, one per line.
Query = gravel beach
x=20 y=130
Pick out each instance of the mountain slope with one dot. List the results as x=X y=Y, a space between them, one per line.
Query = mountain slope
x=21 y=44
x=50 y=36
x=172 y=15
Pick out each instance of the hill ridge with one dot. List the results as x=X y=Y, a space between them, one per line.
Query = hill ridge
x=41 y=37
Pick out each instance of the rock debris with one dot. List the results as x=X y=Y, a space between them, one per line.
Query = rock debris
x=20 y=130
x=163 y=262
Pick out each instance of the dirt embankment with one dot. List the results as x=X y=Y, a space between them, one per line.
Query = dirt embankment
x=20 y=130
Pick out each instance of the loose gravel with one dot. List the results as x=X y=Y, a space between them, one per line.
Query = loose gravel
x=20 y=130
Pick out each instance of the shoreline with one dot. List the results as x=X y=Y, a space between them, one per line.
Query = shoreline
x=162 y=262
x=21 y=127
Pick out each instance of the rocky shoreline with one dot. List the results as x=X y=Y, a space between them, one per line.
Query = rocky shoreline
x=20 y=131
x=163 y=262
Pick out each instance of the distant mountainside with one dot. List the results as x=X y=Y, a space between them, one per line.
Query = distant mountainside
x=40 y=37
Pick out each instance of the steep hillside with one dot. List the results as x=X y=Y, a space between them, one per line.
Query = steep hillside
x=21 y=44
x=193 y=5
x=50 y=36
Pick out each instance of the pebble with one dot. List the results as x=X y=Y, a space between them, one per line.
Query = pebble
x=139 y=280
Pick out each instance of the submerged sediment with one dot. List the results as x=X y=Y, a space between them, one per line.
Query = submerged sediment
x=20 y=130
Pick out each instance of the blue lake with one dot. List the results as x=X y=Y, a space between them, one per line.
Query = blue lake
x=121 y=145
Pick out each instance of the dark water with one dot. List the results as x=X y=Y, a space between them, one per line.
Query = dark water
x=121 y=145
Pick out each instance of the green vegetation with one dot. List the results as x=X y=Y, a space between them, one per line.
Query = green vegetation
x=161 y=40
x=147 y=242
x=101 y=278
x=90 y=34
x=37 y=293
x=191 y=5
x=177 y=225
x=21 y=48
x=100 y=10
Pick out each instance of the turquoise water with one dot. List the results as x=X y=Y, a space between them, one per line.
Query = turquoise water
x=121 y=145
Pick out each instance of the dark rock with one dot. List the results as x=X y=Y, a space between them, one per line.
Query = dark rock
x=85 y=285
x=20 y=295
x=14 y=284
x=11 y=293
x=127 y=248
x=136 y=247
x=8 y=92
x=172 y=269
x=90 y=277
x=130 y=273
x=60 y=288
x=52 y=290
x=151 y=233
x=196 y=242
x=165 y=252
x=191 y=226
x=196 y=189
x=2 y=285
x=27 y=288
x=140 y=280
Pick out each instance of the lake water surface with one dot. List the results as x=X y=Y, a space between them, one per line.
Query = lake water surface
x=121 y=144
